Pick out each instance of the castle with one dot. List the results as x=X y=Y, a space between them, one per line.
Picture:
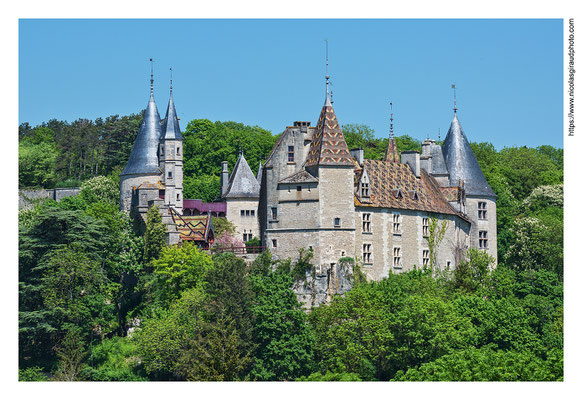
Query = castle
x=314 y=192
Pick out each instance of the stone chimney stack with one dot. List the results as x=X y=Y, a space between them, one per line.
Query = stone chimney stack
x=412 y=158
x=224 y=178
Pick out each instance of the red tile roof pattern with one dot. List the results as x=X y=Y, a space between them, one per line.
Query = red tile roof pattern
x=393 y=185
x=392 y=151
x=196 y=228
x=328 y=146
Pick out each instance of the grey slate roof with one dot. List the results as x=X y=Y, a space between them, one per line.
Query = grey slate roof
x=144 y=154
x=299 y=177
x=439 y=166
x=242 y=183
x=462 y=164
x=171 y=127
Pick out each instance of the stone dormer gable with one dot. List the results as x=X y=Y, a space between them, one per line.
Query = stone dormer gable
x=392 y=185
x=300 y=177
x=328 y=146
x=363 y=189
x=242 y=183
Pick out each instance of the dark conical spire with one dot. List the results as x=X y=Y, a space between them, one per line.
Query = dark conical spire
x=171 y=128
x=462 y=163
x=143 y=159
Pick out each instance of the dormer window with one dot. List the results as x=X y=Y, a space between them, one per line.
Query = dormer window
x=365 y=189
x=414 y=195
x=365 y=185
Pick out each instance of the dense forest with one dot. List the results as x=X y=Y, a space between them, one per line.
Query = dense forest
x=98 y=302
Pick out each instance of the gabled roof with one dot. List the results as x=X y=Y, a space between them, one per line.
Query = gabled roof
x=462 y=164
x=197 y=228
x=394 y=185
x=328 y=146
x=144 y=154
x=299 y=177
x=242 y=183
x=171 y=127
x=438 y=161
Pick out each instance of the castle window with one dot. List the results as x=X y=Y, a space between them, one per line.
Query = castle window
x=177 y=196
x=252 y=213
x=396 y=223
x=482 y=210
x=299 y=188
x=365 y=189
x=425 y=257
x=162 y=150
x=290 y=154
x=337 y=222
x=482 y=240
x=366 y=223
x=247 y=237
x=169 y=174
x=274 y=212
x=177 y=150
x=448 y=263
x=397 y=258
x=274 y=241
x=242 y=213
x=248 y=212
x=425 y=227
x=367 y=253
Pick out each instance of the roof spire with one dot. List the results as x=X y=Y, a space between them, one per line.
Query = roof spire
x=391 y=125
x=455 y=96
x=328 y=101
x=171 y=78
x=152 y=77
x=439 y=134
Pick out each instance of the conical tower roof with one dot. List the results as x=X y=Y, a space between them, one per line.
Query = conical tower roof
x=171 y=127
x=242 y=183
x=328 y=146
x=462 y=163
x=143 y=159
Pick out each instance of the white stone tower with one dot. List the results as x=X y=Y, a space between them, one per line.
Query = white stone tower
x=171 y=156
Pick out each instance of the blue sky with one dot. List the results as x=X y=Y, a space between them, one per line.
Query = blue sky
x=508 y=73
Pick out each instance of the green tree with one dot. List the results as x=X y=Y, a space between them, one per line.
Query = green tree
x=71 y=354
x=179 y=268
x=114 y=360
x=164 y=336
x=486 y=364
x=155 y=234
x=36 y=165
x=285 y=343
x=204 y=187
x=472 y=273
x=215 y=354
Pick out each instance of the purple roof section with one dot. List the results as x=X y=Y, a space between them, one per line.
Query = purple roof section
x=202 y=206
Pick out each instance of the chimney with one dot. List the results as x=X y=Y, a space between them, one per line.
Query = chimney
x=412 y=158
x=224 y=178
x=426 y=163
x=426 y=147
x=358 y=154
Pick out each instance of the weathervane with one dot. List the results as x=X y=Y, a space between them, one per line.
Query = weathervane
x=152 y=77
x=455 y=94
x=391 y=126
x=171 y=79
x=327 y=95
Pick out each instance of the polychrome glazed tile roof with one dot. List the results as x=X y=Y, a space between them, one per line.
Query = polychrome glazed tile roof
x=394 y=185
x=328 y=146
x=193 y=227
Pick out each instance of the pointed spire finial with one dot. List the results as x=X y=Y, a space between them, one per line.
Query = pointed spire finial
x=327 y=95
x=455 y=96
x=391 y=125
x=171 y=79
x=152 y=76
